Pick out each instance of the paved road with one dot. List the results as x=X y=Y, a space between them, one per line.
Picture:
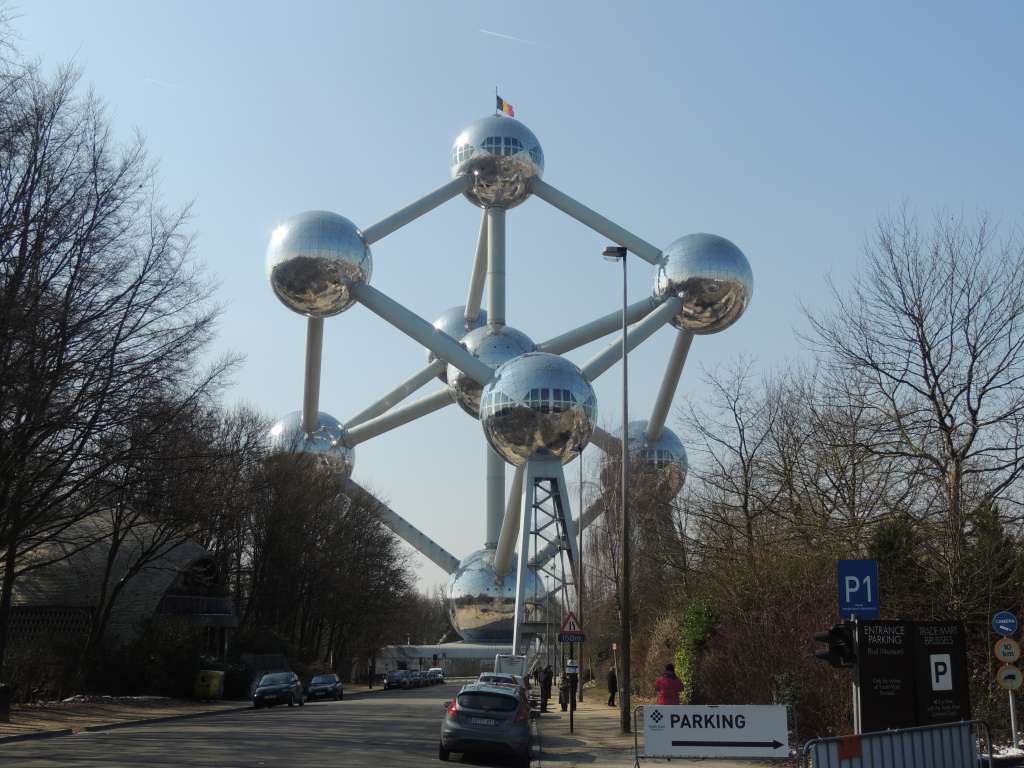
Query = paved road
x=391 y=728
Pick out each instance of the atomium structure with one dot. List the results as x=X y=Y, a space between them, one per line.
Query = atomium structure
x=537 y=410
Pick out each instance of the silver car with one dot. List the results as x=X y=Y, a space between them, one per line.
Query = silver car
x=487 y=719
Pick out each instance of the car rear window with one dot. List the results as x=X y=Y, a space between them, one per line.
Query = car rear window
x=323 y=679
x=492 y=702
x=278 y=678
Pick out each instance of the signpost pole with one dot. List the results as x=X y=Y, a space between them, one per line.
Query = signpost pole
x=1013 y=720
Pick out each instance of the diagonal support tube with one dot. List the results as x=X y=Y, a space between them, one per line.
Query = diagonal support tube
x=311 y=386
x=642 y=331
x=413 y=536
x=607 y=442
x=509 y=526
x=414 y=326
x=398 y=417
x=476 y=282
x=595 y=329
x=673 y=371
x=595 y=221
x=413 y=211
x=398 y=394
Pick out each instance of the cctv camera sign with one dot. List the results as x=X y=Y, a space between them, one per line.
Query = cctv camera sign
x=715 y=731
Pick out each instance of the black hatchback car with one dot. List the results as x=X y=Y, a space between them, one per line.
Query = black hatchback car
x=278 y=688
x=325 y=687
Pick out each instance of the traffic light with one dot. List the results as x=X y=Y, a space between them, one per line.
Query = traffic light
x=841 y=649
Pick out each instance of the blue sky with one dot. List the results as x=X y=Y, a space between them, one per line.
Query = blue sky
x=786 y=127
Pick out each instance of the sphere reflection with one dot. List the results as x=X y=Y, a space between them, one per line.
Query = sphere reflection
x=482 y=609
x=711 y=276
x=324 y=443
x=502 y=155
x=313 y=261
x=538 y=404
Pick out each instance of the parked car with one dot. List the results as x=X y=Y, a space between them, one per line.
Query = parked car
x=436 y=675
x=487 y=719
x=325 y=687
x=417 y=679
x=278 y=688
x=397 y=678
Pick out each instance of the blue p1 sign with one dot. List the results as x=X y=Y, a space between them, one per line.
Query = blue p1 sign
x=858 y=589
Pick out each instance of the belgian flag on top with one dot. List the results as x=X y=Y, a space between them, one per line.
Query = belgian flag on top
x=504 y=106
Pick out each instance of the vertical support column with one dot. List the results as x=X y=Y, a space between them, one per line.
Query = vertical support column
x=495 y=497
x=311 y=388
x=496 y=266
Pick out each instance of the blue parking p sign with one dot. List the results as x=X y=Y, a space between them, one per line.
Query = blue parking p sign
x=858 y=589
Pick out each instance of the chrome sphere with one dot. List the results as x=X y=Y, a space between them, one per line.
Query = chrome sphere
x=494 y=345
x=664 y=458
x=482 y=609
x=503 y=156
x=538 y=404
x=313 y=261
x=324 y=443
x=711 y=276
x=453 y=322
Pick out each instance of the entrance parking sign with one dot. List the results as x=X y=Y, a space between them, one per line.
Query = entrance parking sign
x=858 y=589
x=715 y=731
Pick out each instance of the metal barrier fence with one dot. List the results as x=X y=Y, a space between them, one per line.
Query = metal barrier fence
x=966 y=744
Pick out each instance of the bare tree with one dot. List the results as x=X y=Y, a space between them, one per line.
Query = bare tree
x=932 y=333
x=101 y=306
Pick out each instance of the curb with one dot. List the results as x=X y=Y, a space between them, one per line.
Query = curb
x=35 y=735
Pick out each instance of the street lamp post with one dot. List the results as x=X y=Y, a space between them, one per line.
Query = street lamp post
x=618 y=253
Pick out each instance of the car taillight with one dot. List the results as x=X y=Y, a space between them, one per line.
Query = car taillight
x=523 y=715
x=453 y=709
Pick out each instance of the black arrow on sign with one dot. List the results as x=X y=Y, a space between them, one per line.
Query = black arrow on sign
x=773 y=744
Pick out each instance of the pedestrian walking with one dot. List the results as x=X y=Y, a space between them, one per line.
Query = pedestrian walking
x=547 y=677
x=613 y=686
x=669 y=686
x=563 y=691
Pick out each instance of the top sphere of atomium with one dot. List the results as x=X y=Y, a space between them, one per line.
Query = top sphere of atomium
x=664 y=458
x=494 y=345
x=323 y=444
x=481 y=608
x=503 y=156
x=453 y=322
x=711 y=276
x=314 y=260
x=538 y=404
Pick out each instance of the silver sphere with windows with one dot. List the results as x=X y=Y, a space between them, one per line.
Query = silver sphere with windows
x=711 y=276
x=538 y=404
x=664 y=458
x=313 y=261
x=453 y=322
x=502 y=155
x=324 y=443
x=481 y=608
x=494 y=345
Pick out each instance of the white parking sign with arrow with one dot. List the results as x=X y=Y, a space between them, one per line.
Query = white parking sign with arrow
x=715 y=731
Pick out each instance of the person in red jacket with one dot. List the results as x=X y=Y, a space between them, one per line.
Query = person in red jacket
x=668 y=686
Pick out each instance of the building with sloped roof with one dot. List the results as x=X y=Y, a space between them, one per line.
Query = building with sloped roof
x=56 y=598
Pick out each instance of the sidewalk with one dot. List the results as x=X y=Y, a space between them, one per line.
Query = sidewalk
x=597 y=740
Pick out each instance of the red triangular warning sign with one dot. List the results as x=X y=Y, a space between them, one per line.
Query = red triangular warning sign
x=570 y=625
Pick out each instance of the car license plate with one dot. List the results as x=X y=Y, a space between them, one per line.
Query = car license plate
x=482 y=721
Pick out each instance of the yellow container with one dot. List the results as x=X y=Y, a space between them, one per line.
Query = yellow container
x=210 y=684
